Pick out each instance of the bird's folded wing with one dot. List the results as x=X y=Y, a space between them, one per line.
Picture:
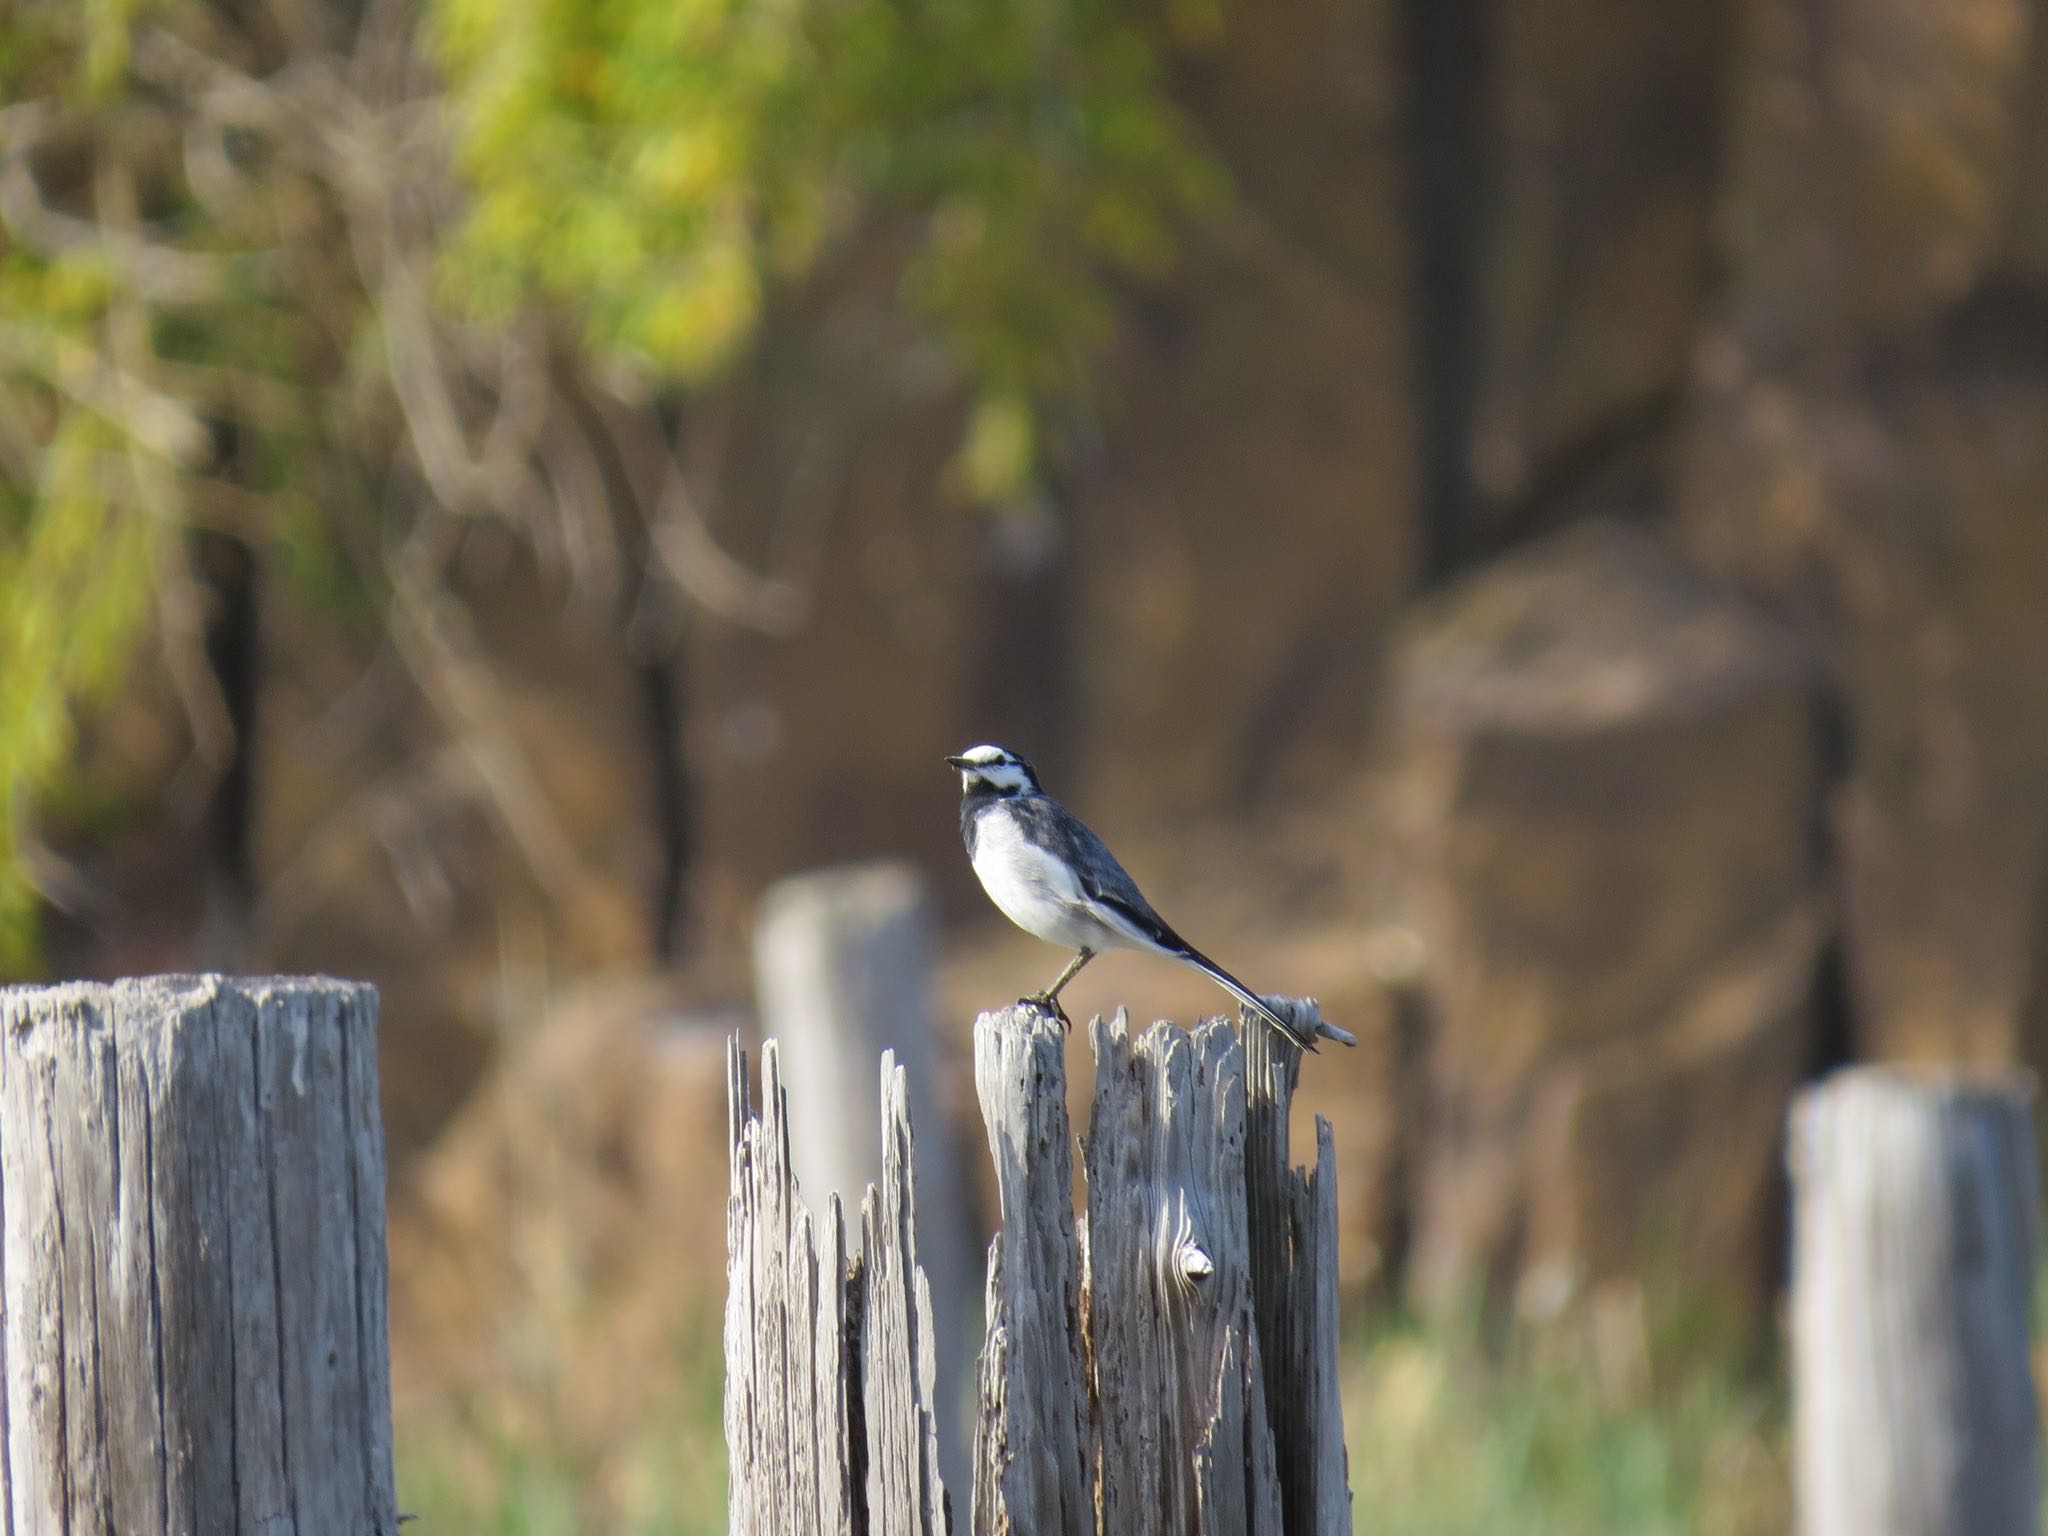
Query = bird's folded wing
x=1137 y=922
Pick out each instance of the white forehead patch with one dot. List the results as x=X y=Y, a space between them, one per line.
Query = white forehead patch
x=984 y=756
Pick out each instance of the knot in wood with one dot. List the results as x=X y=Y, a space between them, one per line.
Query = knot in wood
x=1186 y=1262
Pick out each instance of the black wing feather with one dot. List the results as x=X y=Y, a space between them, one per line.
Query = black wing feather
x=1060 y=832
x=1066 y=837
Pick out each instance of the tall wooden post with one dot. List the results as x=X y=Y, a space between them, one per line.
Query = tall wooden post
x=1916 y=1226
x=193 y=1264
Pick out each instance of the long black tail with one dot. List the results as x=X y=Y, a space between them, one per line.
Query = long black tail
x=1248 y=997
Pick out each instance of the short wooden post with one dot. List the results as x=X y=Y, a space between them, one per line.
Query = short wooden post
x=1915 y=1234
x=843 y=960
x=193 y=1264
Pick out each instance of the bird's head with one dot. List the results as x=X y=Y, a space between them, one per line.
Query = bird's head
x=994 y=770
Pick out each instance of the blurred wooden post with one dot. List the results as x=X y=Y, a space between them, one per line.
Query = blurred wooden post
x=1916 y=1227
x=843 y=962
x=192 y=1174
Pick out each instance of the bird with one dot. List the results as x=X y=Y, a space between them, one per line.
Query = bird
x=1054 y=878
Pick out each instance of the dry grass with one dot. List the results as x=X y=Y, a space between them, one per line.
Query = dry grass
x=508 y=1462
x=1564 y=1438
x=1573 y=1436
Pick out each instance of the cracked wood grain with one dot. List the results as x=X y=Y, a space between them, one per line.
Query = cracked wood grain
x=831 y=1361
x=1292 y=1216
x=1181 y=1423
x=192 y=1259
x=1166 y=1362
x=1034 y=1469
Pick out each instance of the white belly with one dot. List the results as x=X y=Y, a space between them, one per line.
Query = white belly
x=1033 y=889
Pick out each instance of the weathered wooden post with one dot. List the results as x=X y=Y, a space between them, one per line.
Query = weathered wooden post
x=1142 y=1365
x=1916 y=1227
x=1034 y=1450
x=193 y=1264
x=843 y=962
x=1207 y=1291
x=830 y=1360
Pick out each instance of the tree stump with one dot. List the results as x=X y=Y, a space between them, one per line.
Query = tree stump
x=1915 y=1234
x=192 y=1170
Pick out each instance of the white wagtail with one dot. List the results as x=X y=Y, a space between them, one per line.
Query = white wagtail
x=1053 y=878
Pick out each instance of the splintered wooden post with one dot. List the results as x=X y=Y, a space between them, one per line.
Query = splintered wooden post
x=1916 y=1225
x=830 y=1356
x=1126 y=1371
x=1293 y=1222
x=193 y=1263
x=843 y=961
x=1168 y=1365
x=1185 y=1439
x=1033 y=1465
x=899 y=1355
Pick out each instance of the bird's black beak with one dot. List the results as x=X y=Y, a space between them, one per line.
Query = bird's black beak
x=956 y=762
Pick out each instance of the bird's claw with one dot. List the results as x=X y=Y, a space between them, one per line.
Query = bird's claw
x=1047 y=1004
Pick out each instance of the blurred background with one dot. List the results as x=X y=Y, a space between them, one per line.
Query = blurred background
x=1524 y=522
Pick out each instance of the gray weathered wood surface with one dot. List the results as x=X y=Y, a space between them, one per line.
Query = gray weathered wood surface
x=843 y=963
x=193 y=1261
x=1034 y=1464
x=1293 y=1221
x=1127 y=1381
x=1172 y=1362
x=830 y=1358
x=1916 y=1226
x=791 y=1343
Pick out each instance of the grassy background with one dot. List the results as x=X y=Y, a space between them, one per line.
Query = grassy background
x=1610 y=1426
x=1570 y=1435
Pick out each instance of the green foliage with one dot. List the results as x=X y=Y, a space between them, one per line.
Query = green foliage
x=491 y=1470
x=662 y=165
x=77 y=46
x=76 y=568
x=78 y=541
x=663 y=168
x=1446 y=1439
x=109 y=374
x=1560 y=1438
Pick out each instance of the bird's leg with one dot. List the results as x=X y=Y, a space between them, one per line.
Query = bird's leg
x=1049 y=999
x=1073 y=969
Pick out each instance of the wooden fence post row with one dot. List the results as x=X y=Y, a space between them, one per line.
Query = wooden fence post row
x=1168 y=1361
x=1917 y=1226
x=193 y=1264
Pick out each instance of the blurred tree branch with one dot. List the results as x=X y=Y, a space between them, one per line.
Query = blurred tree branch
x=439 y=267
